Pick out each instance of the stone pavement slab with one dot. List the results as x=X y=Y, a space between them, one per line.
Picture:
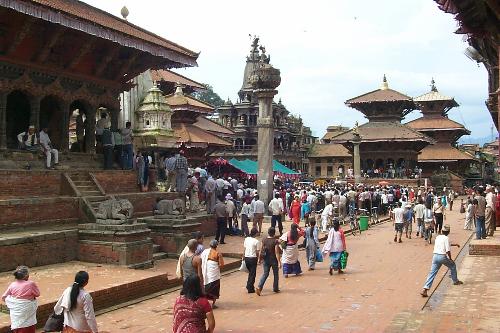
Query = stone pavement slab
x=382 y=279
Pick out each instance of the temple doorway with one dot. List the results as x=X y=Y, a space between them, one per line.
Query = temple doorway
x=51 y=117
x=18 y=116
x=77 y=123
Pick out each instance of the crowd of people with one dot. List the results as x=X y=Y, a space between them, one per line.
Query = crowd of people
x=315 y=211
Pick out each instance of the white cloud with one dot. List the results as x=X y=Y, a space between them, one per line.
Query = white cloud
x=327 y=50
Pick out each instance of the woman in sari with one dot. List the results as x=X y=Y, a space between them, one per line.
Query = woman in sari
x=295 y=210
x=312 y=243
x=191 y=309
x=77 y=306
x=290 y=257
x=20 y=298
x=211 y=262
x=334 y=246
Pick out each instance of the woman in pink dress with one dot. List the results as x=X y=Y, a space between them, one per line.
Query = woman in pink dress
x=191 y=309
x=20 y=298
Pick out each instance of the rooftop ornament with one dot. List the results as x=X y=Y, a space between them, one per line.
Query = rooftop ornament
x=124 y=12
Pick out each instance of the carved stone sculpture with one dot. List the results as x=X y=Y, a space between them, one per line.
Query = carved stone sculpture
x=170 y=207
x=114 y=211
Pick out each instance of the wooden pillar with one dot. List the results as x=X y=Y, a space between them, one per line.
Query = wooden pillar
x=35 y=112
x=3 y=120
x=65 y=109
x=90 y=130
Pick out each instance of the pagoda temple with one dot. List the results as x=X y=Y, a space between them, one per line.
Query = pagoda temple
x=436 y=124
x=60 y=56
x=194 y=132
x=292 y=139
x=385 y=142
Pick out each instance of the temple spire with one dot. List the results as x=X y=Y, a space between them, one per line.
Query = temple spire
x=385 y=85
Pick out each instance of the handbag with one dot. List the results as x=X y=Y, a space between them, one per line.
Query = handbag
x=55 y=323
x=343 y=259
x=319 y=255
x=243 y=267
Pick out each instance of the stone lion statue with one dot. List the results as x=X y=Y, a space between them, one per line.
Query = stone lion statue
x=170 y=207
x=119 y=210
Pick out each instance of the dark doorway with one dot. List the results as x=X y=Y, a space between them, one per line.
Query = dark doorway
x=51 y=117
x=18 y=116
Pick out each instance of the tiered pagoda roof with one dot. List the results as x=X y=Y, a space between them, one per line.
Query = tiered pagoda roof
x=435 y=123
x=383 y=104
x=384 y=109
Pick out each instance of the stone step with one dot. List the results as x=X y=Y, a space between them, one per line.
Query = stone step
x=159 y=256
x=96 y=198
x=156 y=248
x=82 y=182
x=90 y=193
x=87 y=187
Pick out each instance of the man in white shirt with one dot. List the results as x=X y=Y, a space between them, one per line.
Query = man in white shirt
x=276 y=209
x=398 y=222
x=442 y=256
x=489 y=216
x=419 y=216
x=258 y=213
x=47 y=148
x=250 y=256
x=326 y=215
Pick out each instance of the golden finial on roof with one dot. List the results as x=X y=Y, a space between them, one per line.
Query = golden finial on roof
x=385 y=85
x=433 y=85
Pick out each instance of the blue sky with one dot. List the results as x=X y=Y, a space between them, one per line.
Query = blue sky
x=327 y=51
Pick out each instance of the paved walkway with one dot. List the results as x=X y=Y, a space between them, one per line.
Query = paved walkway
x=382 y=279
x=473 y=307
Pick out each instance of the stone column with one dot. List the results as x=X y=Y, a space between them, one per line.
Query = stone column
x=65 y=109
x=35 y=112
x=265 y=144
x=90 y=130
x=3 y=120
x=357 y=159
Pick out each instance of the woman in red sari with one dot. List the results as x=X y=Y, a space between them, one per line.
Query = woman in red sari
x=192 y=308
x=295 y=210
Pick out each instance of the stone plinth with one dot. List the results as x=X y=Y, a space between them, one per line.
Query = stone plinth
x=485 y=247
x=125 y=244
x=173 y=231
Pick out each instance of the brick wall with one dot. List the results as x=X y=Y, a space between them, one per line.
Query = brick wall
x=38 y=250
x=29 y=183
x=484 y=249
x=38 y=212
x=115 y=253
x=118 y=181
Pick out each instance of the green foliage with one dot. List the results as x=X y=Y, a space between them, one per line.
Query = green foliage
x=209 y=96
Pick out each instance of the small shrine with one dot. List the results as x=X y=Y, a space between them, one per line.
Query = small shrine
x=153 y=125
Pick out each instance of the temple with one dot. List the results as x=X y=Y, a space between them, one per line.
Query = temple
x=436 y=124
x=62 y=57
x=45 y=76
x=386 y=144
x=292 y=139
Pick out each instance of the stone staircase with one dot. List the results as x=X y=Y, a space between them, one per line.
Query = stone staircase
x=88 y=190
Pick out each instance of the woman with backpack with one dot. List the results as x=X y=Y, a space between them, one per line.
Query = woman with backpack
x=77 y=306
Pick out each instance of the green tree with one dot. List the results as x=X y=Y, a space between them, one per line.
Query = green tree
x=209 y=96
